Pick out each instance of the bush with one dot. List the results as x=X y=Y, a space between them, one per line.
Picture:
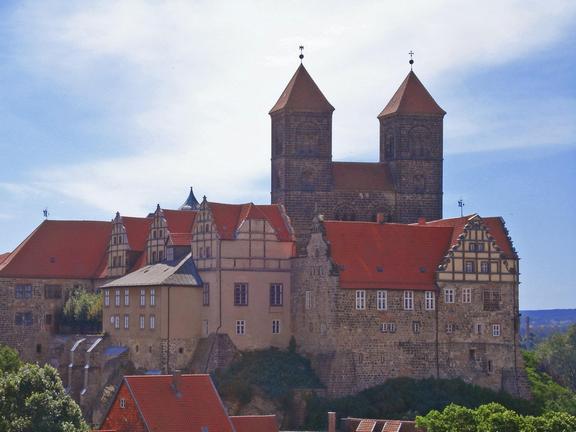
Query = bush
x=83 y=311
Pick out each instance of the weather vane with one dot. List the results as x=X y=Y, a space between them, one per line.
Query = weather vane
x=301 y=53
x=461 y=205
x=411 y=54
x=45 y=212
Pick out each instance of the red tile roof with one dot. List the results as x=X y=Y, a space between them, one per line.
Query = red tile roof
x=180 y=221
x=361 y=176
x=4 y=256
x=387 y=256
x=229 y=217
x=412 y=98
x=180 y=239
x=137 y=230
x=255 y=423
x=198 y=405
x=302 y=95
x=60 y=249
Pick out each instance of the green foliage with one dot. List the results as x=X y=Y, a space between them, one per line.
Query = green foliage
x=274 y=371
x=33 y=399
x=9 y=359
x=83 y=309
x=493 y=417
x=557 y=357
x=548 y=394
x=405 y=398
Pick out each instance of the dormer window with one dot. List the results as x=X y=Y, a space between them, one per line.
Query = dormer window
x=122 y=403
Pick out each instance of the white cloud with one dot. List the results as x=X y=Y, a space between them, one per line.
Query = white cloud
x=192 y=81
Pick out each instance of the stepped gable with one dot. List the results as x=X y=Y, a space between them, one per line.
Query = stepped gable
x=229 y=217
x=361 y=176
x=302 y=95
x=255 y=423
x=412 y=98
x=60 y=249
x=387 y=256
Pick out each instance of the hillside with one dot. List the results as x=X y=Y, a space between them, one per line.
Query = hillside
x=543 y=323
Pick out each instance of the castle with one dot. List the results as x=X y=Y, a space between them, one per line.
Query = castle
x=353 y=260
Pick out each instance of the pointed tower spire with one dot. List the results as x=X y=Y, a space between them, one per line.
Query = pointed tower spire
x=191 y=202
x=412 y=98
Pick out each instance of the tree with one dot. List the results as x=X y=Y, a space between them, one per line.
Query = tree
x=9 y=360
x=452 y=418
x=494 y=417
x=32 y=399
x=83 y=311
x=557 y=356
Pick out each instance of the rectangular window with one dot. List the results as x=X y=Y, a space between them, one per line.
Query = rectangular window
x=117 y=298
x=53 y=291
x=429 y=300
x=388 y=327
x=126 y=297
x=116 y=321
x=491 y=298
x=48 y=319
x=408 y=300
x=142 y=297
x=484 y=267
x=308 y=304
x=496 y=330
x=450 y=328
x=126 y=321
x=467 y=295
x=152 y=296
x=360 y=299
x=472 y=247
x=478 y=329
x=489 y=366
x=23 y=291
x=240 y=294
x=106 y=297
x=142 y=322
x=240 y=327
x=480 y=247
x=24 y=319
x=469 y=267
x=275 y=326
x=152 y=322
x=206 y=294
x=416 y=327
x=448 y=295
x=382 y=299
x=276 y=294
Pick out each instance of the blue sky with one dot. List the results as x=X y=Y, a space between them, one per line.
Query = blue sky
x=108 y=106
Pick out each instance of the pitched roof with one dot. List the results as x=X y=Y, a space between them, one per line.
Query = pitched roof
x=361 y=176
x=180 y=221
x=4 y=257
x=60 y=249
x=412 y=98
x=302 y=95
x=380 y=425
x=387 y=256
x=180 y=239
x=162 y=410
x=229 y=217
x=181 y=273
x=137 y=230
x=255 y=423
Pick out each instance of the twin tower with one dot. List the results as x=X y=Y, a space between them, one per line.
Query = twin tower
x=403 y=186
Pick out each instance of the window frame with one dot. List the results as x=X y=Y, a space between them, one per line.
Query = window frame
x=496 y=330
x=107 y=297
x=152 y=297
x=206 y=294
x=449 y=295
x=240 y=327
x=142 y=322
x=240 y=293
x=276 y=326
x=152 y=322
x=360 y=299
x=276 y=294
x=126 y=321
x=382 y=300
x=126 y=297
x=467 y=295
x=142 y=297
x=469 y=266
x=23 y=291
x=429 y=300
x=408 y=300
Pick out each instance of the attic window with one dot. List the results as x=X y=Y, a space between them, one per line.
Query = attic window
x=122 y=403
x=379 y=269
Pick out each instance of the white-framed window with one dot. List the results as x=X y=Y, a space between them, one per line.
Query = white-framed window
x=388 y=327
x=484 y=267
x=152 y=296
x=275 y=326
x=126 y=321
x=382 y=299
x=450 y=327
x=467 y=295
x=117 y=298
x=276 y=294
x=206 y=294
x=122 y=403
x=429 y=300
x=142 y=322
x=143 y=297
x=126 y=297
x=478 y=328
x=408 y=300
x=240 y=327
x=360 y=299
x=241 y=294
x=416 y=327
x=449 y=294
x=496 y=330
x=469 y=267
x=106 y=297
x=117 y=321
x=152 y=322
x=308 y=299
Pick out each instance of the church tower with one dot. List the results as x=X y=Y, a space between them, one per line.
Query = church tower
x=301 y=149
x=411 y=145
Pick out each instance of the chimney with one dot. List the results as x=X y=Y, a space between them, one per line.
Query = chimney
x=177 y=382
x=331 y=421
x=421 y=220
x=380 y=218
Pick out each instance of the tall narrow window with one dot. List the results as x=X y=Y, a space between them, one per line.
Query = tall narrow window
x=152 y=297
x=152 y=322
x=154 y=257
x=106 y=297
x=240 y=327
x=360 y=299
x=467 y=295
x=275 y=326
x=117 y=298
x=382 y=299
x=429 y=300
x=496 y=330
x=206 y=294
x=142 y=322
x=469 y=267
x=276 y=294
x=308 y=303
x=416 y=327
x=408 y=300
x=241 y=294
x=126 y=321
x=449 y=295
x=142 y=297
x=484 y=267
x=117 y=321
x=126 y=297
x=160 y=255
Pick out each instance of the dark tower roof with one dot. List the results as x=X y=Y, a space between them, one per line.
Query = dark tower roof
x=412 y=98
x=302 y=95
x=191 y=202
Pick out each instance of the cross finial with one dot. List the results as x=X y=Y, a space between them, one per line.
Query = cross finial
x=301 y=56
x=411 y=54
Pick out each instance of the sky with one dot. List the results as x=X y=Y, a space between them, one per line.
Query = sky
x=112 y=106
